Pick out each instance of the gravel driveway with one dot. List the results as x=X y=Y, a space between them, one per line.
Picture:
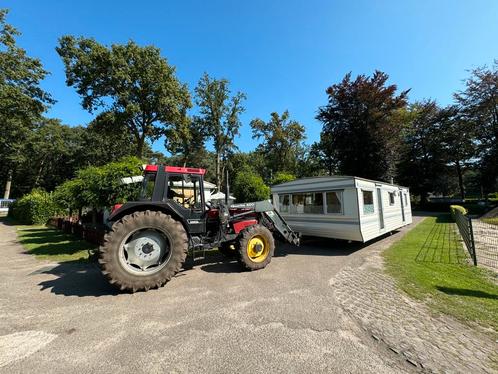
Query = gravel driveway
x=62 y=318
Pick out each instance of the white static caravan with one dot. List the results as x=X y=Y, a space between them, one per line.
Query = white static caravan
x=342 y=207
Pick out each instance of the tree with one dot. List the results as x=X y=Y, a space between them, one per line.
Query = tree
x=22 y=101
x=219 y=115
x=282 y=177
x=324 y=153
x=134 y=86
x=189 y=144
x=100 y=187
x=479 y=103
x=423 y=162
x=103 y=142
x=458 y=141
x=249 y=186
x=253 y=161
x=282 y=138
x=361 y=126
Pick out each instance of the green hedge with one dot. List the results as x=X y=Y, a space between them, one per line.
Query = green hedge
x=35 y=208
x=455 y=208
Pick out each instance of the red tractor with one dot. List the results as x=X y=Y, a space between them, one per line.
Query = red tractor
x=149 y=239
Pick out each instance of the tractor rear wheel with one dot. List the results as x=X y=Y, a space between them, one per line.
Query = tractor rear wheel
x=255 y=247
x=143 y=250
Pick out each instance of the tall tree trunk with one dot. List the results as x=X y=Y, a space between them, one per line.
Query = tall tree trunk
x=6 y=195
x=218 y=171
x=460 y=179
x=38 y=174
x=140 y=145
x=94 y=216
x=423 y=199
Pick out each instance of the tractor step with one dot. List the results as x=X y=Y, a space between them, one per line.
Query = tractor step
x=198 y=254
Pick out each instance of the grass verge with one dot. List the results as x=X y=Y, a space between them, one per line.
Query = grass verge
x=51 y=244
x=492 y=221
x=430 y=264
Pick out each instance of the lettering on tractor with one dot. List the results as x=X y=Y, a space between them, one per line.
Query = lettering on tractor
x=149 y=239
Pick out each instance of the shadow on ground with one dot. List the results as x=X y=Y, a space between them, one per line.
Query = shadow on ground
x=83 y=279
x=443 y=244
x=76 y=279
x=467 y=292
x=310 y=246
x=50 y=242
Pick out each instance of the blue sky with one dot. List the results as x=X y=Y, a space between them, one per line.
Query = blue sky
x=282 y=54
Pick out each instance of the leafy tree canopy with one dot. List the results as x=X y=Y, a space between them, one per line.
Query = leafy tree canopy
x=282 y=140
x=423 y=162
x=22 y=101
x=134 y=85
x=219 y=114
x=361 y=126
x=479 y=105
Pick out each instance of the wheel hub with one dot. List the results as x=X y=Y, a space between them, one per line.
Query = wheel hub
x=145 y=251
x=256 y=249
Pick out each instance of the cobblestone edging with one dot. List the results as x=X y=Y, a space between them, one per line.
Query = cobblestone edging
x=433 y=344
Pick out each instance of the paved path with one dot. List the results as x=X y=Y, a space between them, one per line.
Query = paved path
x=431 y=343
x=62 y=318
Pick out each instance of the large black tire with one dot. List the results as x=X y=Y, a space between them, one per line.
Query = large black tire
x=250 y=255
x=111 y=258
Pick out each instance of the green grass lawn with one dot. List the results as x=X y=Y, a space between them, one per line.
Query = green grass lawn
x=51 y=244
x=493 y=221
x=430 y=264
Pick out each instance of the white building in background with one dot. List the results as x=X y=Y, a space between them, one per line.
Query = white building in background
x=342 y=207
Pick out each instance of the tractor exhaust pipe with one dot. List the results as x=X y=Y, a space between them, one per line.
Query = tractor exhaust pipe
x=227 y=188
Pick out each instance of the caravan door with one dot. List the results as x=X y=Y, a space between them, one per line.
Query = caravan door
x=381 y=208
x=402 y=207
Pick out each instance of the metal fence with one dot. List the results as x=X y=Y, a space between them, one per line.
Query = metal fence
x=486 y=243
x=480 y=239
x=4 y=205
x=464 y=224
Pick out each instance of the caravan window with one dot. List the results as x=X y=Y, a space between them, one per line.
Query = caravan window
x=297 y=203
x=284 y=203
x=368 y=204
x=391 y=198
x=334 y=202
x=308 y=203
x=313 y=203
x=406 y=199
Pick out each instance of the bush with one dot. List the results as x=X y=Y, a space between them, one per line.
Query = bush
x=493 y=195
x=249 y=186
x=100 y=187
x=457 y=208
x=282 y=177
x=35 y=208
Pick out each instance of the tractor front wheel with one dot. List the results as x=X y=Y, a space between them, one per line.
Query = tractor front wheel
x=255 y=247
x=143 y=250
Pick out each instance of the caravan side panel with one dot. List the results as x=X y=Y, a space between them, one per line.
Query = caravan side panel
x=388 y=210
x=291 y=200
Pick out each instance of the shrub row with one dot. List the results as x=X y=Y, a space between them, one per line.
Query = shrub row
x=35 y=208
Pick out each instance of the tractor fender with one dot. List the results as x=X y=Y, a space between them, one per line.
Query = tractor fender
x=139 y=206
x=241 y=225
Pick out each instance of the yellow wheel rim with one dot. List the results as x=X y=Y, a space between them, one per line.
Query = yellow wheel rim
x=257 y=249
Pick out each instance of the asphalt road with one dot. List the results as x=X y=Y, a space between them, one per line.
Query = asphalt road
x=65 y=318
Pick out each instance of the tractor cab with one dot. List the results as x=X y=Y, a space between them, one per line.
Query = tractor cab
x=184 y=186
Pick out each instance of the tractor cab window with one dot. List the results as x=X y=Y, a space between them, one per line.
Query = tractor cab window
x=148 y=186
x=185 y=189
